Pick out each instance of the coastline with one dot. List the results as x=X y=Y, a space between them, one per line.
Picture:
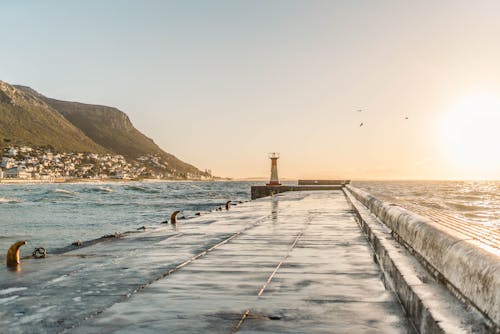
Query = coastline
x=98 y=181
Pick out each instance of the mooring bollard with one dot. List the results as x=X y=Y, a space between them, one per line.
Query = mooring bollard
x=173 y=217
x=13 y=259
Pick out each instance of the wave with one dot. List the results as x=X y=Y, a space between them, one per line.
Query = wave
x=98 y=190
x=494 y=223
x=142 y=189
x=471 y=201
x=57 y=194
x=462 y=207
x=8 y=200
x=65 y=192
x=111 y=204
x=11 y=290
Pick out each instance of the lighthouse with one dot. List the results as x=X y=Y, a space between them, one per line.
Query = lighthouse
x=274 y=169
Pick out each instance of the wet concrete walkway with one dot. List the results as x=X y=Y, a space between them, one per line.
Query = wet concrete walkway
x=295 y=263
x=306 y=269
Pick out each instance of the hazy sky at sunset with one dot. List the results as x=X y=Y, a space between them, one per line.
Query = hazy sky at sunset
x=222 y=83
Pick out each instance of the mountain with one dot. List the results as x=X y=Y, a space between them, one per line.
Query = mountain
x=28 y=117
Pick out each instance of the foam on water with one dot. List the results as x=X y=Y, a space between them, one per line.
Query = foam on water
x=493 y=223
x=9 y=200
x=59 y=279
x=98 y=189
x=11 y=290
x=66 y=192
x=7 y=299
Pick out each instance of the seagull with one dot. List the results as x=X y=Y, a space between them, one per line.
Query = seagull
x=360 y=110
x=406 y=117
x=361 y=124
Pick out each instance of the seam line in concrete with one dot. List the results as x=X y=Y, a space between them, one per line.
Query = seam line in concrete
x=187 y=262
x=270 y=278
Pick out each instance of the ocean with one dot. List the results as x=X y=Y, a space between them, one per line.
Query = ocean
x=472 y=201
x=55 y=215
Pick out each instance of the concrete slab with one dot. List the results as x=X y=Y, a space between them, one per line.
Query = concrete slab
x=303 y=252
x=327 y=283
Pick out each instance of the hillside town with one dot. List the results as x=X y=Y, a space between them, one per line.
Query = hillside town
x=42 y=163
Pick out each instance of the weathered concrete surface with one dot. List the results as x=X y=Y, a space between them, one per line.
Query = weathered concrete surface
x=58 y=292
x=327 y=281
x=303 y=252
x=456 y=259
x=430 y=305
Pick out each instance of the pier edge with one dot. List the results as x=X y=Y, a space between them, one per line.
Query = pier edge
x=454 y=261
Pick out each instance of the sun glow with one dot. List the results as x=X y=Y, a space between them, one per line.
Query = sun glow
x=471 y=136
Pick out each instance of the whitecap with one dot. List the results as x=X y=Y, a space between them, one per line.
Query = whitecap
x=9 y=200
x=8 y=299
x=98 y=190
x=11 y=290
x=64 y=191
x=58 y=279
x=109 y=190
x=493 y=223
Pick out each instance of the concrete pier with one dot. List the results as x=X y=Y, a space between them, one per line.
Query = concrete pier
x=265 y=191
x=457 y=255
x=298 y=262
x=302 y=269
x=302 y=185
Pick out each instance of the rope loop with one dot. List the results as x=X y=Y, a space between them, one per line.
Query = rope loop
x=39 y=253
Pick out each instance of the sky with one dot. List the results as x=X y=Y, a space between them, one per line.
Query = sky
x=220 y=84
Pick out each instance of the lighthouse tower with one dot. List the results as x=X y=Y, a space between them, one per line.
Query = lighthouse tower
x=274 y=169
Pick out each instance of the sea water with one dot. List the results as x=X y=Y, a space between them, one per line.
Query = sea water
x=55 y=215
x=471 y=201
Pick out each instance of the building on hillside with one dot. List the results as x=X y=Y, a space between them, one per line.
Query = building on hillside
x=12 y=152
x=48 y=156
x=25 y=149
x=7 y=163
x=18 y=172
x=120 y=175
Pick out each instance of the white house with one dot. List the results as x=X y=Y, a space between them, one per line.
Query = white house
x=12 y=152
x=25 y=149
x=7 y=163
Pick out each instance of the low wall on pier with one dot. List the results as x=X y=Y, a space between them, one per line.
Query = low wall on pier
x=460 y=262
x=323 y=182
x=264 y=191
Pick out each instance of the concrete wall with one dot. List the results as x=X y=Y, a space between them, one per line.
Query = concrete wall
x=458 y=260
x=322 y=182
x=264 y=191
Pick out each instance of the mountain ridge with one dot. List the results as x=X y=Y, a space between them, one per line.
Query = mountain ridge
x=28 y=117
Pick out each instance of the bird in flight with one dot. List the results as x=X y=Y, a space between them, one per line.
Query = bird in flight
x=360 y=125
